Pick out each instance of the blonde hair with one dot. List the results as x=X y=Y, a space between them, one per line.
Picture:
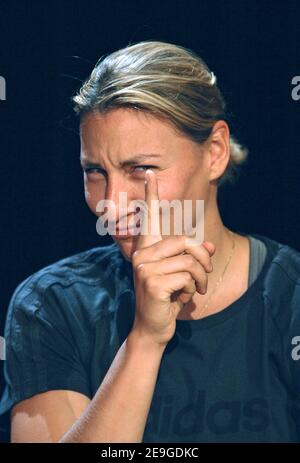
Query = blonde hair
x=168 y=81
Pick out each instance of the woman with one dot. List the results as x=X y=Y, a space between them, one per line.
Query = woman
x=156 y=338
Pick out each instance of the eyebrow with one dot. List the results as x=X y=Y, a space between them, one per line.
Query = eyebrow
x=136 y=159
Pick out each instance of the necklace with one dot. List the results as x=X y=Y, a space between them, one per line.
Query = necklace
x=203 y=309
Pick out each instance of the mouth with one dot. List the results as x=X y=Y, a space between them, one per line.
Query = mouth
x=124 y=233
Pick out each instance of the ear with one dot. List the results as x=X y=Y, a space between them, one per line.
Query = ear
x=218 y=149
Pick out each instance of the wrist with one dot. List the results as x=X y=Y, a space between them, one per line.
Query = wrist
x=140 y=340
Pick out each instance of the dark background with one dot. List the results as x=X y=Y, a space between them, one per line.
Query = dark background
x=47 y=48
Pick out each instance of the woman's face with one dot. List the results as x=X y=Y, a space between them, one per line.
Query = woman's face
x=117 y=148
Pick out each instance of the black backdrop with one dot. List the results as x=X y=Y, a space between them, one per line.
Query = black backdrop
x=47 y=48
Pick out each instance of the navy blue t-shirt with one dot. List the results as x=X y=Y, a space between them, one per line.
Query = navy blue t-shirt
x=233 y=376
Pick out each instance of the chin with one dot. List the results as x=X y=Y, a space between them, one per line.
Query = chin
x=127 y=247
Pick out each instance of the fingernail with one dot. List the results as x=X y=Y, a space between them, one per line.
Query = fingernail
x=149 y=172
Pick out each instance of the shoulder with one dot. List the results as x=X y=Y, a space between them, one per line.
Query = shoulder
x=282 y=262
x=69 y=281
x=281 y=281
x=282 y=296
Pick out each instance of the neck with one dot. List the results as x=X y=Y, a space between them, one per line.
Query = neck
x=217 y=233
x=220 y=236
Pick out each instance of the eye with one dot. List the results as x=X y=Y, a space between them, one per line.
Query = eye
x=93 y=170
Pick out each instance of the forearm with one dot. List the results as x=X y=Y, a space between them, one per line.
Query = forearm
x=119 y=409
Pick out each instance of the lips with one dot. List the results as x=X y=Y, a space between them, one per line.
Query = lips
x=126 y=232
x=122 y=229
x=123 y=233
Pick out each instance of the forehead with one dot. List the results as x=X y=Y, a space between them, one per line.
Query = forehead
x=126 y=136
x=126 y=122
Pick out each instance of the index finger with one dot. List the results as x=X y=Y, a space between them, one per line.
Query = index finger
x=150 y=227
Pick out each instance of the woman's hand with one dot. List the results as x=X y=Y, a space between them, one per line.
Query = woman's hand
x=167 y=272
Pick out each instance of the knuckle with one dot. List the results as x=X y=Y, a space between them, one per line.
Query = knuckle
x=141 y=269
x=135 y=258
x=188 y=277
x=135 y=255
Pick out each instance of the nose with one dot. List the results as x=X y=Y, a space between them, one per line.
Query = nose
x=118 y=195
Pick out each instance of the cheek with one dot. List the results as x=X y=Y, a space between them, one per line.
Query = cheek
x=195 y=184
x=173 y=188
x=187 y=182
x=93 y=194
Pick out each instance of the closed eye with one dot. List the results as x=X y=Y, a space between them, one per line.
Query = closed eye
x=90 y=170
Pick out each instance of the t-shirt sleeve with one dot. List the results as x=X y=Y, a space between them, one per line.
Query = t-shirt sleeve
x=40 y=345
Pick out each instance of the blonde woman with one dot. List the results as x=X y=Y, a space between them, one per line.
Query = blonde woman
x=154 y=338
